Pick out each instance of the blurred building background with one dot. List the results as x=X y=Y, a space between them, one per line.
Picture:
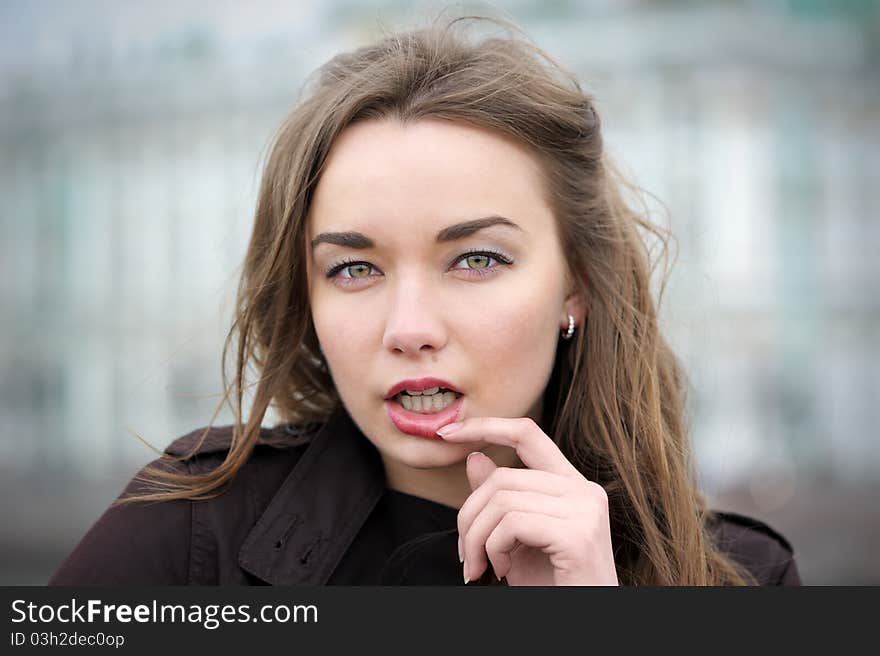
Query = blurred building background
x=131 y=138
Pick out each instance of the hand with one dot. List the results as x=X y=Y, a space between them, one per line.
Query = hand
x=544 y=524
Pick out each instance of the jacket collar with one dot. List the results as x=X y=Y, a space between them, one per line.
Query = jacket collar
x=312 y=519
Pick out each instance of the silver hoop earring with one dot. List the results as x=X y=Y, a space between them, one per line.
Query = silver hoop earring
x=568 y=333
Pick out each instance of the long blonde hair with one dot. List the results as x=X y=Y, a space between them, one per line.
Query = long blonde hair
x=615 y=400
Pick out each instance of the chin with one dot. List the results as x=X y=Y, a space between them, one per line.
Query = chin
x=422 y=453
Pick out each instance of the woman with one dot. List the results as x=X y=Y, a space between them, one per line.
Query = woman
x=447 y=299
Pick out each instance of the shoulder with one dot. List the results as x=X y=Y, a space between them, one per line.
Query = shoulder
x=217 y=440
x=256 y=480
x=758 y=547
x=153 y=542
x=240 y=500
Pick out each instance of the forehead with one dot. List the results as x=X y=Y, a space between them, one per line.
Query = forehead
x=382 y=172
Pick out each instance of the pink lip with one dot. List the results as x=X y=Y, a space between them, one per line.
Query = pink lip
x=419 y=384
x=422 y=425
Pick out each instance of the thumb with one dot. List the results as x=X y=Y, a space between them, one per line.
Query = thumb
x=478 y=467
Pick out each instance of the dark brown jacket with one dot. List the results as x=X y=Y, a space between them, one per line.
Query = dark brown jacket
x=291 y=514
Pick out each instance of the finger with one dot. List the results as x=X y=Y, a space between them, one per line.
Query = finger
x=505 y=478
x=502 y=503
x=520 y=527
x=534 y=448
x=479 y=467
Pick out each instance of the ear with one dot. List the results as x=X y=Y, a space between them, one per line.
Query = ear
x=575 y=305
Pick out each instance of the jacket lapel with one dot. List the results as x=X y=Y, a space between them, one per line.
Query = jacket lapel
x=318 y=510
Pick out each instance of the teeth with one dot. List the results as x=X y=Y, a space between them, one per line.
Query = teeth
x=427 y=404
x=430 y=390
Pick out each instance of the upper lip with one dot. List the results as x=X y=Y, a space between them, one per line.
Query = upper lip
x=419 y=384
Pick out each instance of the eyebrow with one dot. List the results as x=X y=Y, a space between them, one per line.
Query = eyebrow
x=352 y=239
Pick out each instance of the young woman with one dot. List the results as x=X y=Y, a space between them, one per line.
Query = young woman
x=447 y=299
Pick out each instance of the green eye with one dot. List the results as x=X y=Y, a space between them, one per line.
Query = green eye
x=478 y=261
x=482 y=263
x=358 y=270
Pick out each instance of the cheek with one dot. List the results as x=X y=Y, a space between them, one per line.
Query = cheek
x=515 y=331
x=341 y=335
x=514 y=341
x=345 y=337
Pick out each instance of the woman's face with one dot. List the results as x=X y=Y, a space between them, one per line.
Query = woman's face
x=404 y=286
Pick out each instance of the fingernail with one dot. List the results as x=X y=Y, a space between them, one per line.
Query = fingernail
x=460 y=550
x=464 y=573
x=449 y=428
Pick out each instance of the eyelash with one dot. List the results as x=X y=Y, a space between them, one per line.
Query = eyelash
x=480 y=273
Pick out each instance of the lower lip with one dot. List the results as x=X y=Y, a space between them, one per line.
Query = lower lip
x=422 y=425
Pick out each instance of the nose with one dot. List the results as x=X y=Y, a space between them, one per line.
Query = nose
x=414 y=323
